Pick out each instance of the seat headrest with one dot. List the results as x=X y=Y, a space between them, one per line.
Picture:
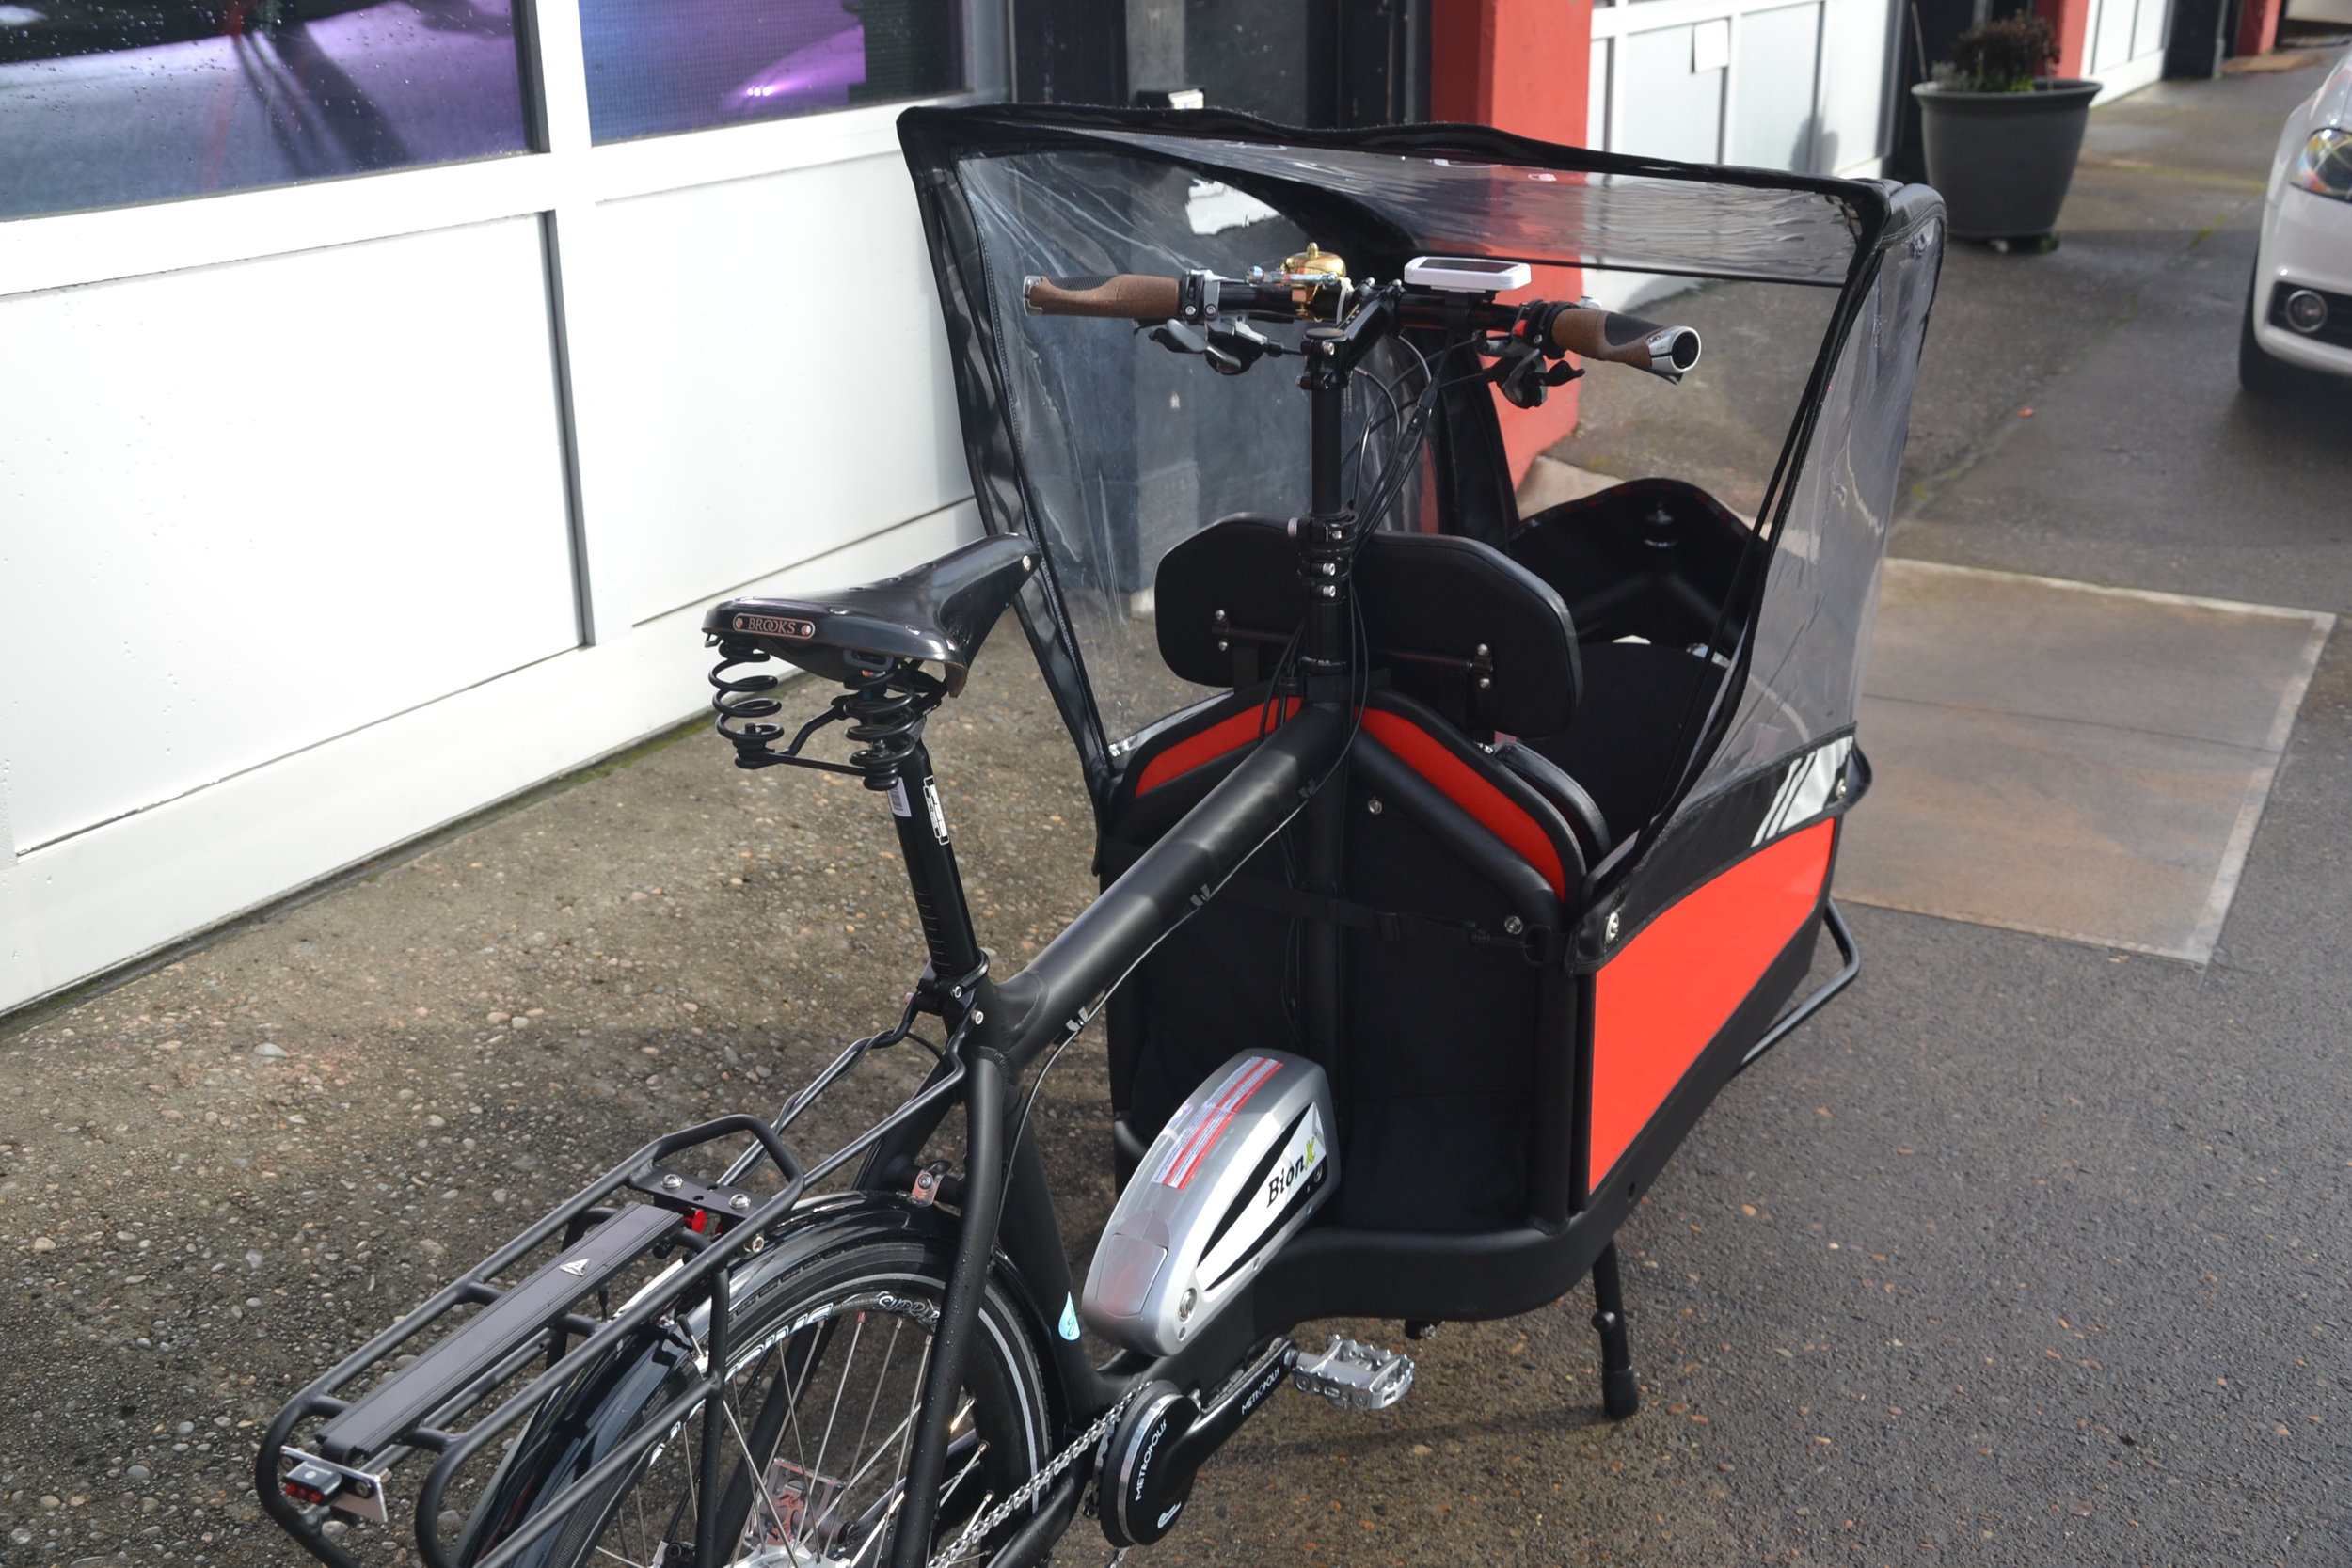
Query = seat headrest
x=1456 y=625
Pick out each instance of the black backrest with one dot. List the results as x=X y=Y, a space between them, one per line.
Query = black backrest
x=1458 y=624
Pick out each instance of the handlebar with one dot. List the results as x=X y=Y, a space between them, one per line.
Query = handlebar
x=1591 y=334
x=1126 y=296
x=1554 y=327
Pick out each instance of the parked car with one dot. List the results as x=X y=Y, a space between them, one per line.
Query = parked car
x=2298 y=310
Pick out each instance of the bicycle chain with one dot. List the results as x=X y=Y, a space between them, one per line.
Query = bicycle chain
x=1027 y=1491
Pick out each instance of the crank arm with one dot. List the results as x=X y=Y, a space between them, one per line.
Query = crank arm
x=1165 y=1438
x=1235 y=1404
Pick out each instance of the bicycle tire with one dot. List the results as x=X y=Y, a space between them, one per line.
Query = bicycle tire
x=817 y=1505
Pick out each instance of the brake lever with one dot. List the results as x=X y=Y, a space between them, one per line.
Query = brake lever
x=1241 y=345
x=1228 y=350
x=1522 y=374
x=1179 y=339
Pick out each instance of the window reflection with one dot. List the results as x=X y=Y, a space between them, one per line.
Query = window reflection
x=108 y=101
x=657 y=66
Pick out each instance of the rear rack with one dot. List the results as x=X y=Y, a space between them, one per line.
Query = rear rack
x=345 y=1464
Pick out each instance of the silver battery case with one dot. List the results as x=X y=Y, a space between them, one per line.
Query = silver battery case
x=1236 y=1171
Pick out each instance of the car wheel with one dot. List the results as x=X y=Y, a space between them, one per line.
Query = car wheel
x=2257 y=371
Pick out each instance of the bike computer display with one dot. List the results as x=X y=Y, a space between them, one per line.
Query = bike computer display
x=1475 y=275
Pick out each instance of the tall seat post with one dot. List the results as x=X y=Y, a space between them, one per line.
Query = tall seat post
x=886 y=709
x=929 y=853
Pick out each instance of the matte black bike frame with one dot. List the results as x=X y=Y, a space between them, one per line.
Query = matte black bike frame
x=1009 y=1028
x=997 y=1031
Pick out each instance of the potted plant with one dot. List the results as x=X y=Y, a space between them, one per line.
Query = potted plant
x=2000 y=136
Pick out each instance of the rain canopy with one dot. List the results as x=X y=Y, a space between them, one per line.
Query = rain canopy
x=1093 y=439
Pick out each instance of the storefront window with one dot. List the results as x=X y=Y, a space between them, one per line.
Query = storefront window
x=104 y=102
x=657 y=66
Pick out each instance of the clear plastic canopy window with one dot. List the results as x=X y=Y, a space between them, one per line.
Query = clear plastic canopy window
x=1109 y=450
x=1820 y=592
x=1567 y=217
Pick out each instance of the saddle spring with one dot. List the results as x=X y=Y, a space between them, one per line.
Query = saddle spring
x=886 y=705
x=887 y=711
x=744 y=699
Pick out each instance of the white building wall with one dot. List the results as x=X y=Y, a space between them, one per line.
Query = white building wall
x=1765 y=83
x=2124 y=45
x=292 y=567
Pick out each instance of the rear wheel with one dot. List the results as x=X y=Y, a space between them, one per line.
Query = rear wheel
x=823 y=1385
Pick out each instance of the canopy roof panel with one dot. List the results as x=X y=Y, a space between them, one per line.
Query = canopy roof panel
x=1473 y=190
x=1540 y=212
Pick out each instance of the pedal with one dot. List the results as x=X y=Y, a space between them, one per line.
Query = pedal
x=1360 y=1377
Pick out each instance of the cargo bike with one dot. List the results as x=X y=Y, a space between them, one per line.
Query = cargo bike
x=1452 y=861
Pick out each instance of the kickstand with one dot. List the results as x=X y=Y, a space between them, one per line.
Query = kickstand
x=1620 y=1395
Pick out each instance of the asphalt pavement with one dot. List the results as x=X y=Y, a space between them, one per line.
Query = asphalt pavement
x=2027 y=1251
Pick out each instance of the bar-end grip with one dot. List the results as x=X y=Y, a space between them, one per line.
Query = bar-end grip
x=1126 y=298
x=1664 y=350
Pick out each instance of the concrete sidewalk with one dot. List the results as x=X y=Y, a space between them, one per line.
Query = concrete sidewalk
x=2025 y=1252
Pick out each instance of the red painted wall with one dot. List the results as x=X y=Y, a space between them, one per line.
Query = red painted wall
x=2072 y=18
x=1522 y=66
x=2258 y=26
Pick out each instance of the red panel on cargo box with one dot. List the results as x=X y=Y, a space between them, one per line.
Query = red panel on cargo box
x=1493 y=809
x=1660 y=1000
x=1227 y=734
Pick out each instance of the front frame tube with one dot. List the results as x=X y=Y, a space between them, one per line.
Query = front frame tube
x=1049 y=1002
x=958 y=1319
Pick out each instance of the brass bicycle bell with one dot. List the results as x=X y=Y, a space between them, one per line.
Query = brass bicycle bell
x=1307 y=276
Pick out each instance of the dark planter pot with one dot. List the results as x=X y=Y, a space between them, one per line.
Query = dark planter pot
x=2003 y=159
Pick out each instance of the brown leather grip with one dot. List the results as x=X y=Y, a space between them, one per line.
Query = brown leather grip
x=1126 y=298
x=1604 y=335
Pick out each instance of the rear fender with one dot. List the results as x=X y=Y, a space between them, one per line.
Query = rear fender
x=578 y=1425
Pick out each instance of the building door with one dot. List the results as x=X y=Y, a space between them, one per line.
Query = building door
x=1765 y=83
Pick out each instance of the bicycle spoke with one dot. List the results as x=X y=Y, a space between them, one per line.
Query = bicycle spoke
x=825 y=1442
x=757 y=1472
x=880 y=1527
x=792 y=1409
x=885 y=1505
x=882 y=1379
x=948 y=1490
x=836 y=1489
x=914 y=1405
x=888 y=1351
x=978 y=1546
x=888 y=1437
